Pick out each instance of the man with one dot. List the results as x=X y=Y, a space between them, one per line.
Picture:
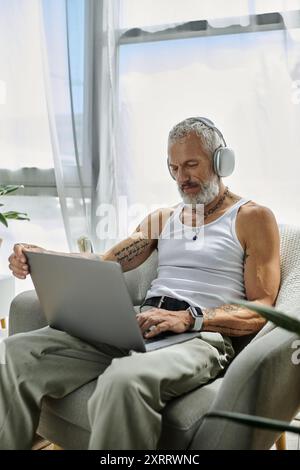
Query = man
x=239 y=258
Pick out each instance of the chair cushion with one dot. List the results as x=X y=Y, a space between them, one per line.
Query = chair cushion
x=288 y=299
x=65 y=421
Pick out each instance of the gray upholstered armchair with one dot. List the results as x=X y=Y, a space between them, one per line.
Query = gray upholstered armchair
x=256 y=382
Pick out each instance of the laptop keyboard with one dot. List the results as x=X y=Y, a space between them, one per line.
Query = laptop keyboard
x=168 y=339
x=159 y=337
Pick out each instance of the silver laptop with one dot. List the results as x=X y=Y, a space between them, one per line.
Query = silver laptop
x=89 y=299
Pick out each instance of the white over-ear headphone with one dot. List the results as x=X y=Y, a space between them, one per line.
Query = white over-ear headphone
x=223 y=157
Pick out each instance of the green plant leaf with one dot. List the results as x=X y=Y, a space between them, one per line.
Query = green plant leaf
x=21 y=218
x=4 y=216
x=254 y=421
x=272 y=314
x=9 y=189
x=15 y=215
x=3 y=220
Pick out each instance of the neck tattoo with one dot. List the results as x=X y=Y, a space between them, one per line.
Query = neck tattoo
x=212 y=210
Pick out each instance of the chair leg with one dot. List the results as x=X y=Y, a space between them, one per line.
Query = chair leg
x=280 y=444
x=3 y=323
x=56 y=447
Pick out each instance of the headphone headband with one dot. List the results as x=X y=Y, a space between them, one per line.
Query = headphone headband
x=207 y=122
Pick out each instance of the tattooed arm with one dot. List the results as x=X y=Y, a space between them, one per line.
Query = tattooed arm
x=261 y=276
x=130 y=253
x=134 y=250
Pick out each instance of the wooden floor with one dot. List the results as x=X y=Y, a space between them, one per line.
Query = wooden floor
x=41 y=444
x=293 y=442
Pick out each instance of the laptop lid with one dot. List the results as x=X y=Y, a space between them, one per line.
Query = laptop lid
x=86 y=298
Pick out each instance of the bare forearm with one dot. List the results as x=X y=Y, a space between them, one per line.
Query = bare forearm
x=232 y=320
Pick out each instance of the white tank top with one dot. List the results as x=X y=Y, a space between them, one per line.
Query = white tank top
x=205 y=272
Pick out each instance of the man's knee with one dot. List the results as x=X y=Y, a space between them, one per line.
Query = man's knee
x=16 y=350
x=21 y=351
x=120 y=378
x=121 y=373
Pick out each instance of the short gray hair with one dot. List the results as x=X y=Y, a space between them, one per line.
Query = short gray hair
x=210 y=139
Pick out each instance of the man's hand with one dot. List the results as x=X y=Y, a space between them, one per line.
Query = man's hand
x=18 y=261
x=164 y=320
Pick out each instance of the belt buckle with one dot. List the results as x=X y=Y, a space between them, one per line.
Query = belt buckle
x=161 y=301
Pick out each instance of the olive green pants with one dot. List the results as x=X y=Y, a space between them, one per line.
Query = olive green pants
x=132 y=389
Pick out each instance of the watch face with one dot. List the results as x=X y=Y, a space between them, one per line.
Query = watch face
x=197 y=312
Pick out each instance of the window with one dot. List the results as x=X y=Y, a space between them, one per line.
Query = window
x=238 y=72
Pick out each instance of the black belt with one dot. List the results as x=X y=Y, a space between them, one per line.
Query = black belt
x=168 y=303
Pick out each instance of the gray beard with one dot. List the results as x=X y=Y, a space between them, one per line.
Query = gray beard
x=207 y=193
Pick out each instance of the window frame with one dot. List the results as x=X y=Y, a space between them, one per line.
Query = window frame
x=201 y=28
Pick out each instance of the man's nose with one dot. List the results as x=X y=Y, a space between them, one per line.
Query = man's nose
x=182 y=177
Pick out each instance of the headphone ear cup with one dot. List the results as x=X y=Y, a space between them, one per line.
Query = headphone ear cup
x=224 y=161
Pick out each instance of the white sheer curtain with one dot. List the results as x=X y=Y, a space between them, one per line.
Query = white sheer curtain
x=80 y=70
x=58 y=93
x=24 y=132
x=101 y=110
x=25 y=142
x=152 y=15
x=246 y=82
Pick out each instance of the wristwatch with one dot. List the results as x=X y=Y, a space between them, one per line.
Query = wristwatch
x=197 y=314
